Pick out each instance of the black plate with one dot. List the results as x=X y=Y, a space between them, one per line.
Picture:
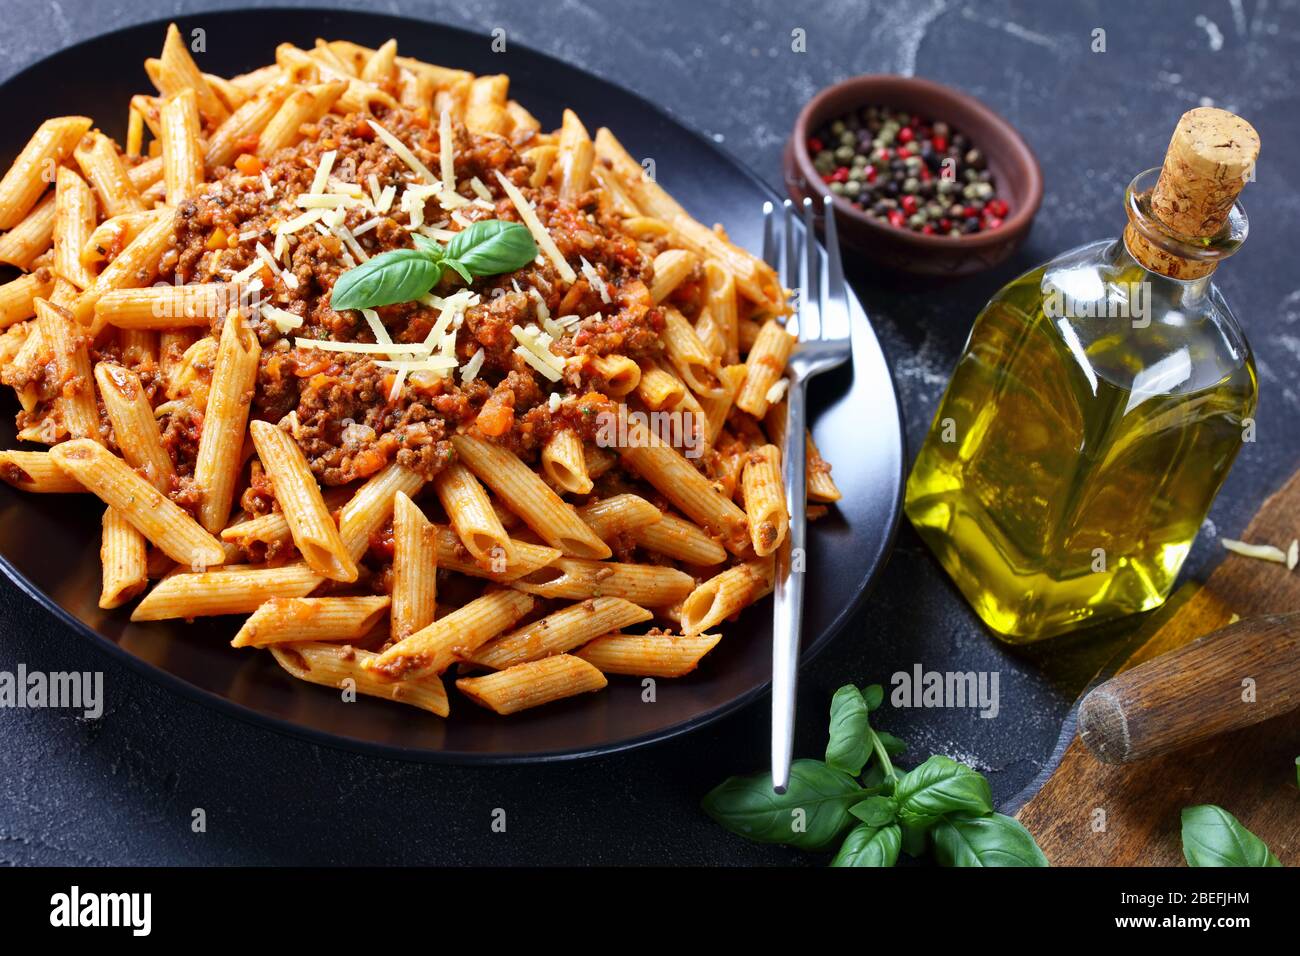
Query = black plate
x=49 y=543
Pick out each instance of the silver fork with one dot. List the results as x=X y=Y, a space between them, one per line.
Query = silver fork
x=822 y=326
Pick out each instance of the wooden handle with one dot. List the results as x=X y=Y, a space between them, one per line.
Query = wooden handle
x=1240 y=675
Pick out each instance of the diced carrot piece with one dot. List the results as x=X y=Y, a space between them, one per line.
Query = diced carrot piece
x=248 y=164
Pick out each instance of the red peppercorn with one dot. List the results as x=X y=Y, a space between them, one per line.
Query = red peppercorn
x=940 y=144
x=909 y=204
x=970 y=212
x=815 y=145
x=945 y=224
x=927 y=230
x=992 y=223
x=998 y=207
x=896 y=218
x=905 y=134
x=841 y=175
x=871 y=174
x=828 y=178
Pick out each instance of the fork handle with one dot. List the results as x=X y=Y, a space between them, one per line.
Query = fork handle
x=787 y=610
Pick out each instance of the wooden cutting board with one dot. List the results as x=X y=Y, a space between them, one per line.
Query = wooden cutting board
x=1086 y=813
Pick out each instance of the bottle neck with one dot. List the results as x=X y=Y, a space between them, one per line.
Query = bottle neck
x=1182 y=291
x=1158 y=248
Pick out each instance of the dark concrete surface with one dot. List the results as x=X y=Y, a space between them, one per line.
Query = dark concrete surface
x=121 y=790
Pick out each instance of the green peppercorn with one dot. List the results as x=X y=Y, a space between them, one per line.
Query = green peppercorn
x=852 y=188
x=859 y=160
x=838 y=127
x=844 y=154
x=837 y=189
x=911 y=184
x=916 y=221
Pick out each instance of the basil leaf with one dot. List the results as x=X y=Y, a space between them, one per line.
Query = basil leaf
x=870 y=846
x=893 y=746
x=914 y=840
x=873 y=778
x=874 y=695
x=810 y=814
x=849 y=746
x=391 y=277
x=938 y=786
x=876 y=811
x=492 y=246
x=994 y=840
x=428 y=244
x=1213 y=837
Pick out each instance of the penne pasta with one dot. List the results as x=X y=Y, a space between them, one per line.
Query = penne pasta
x=293 y=620
x=726 y=594
x=692 y=359
x=314 y=532
x=470 y=512
x=75 y=215
x=237 y=589
x=31 y=238
x=135 y=428
x=182 y=149
x=564 y=463
x=152 y=513
x=620 y=515
x=37 y=472
x=166 y=307
x=415 y=569
x=648 y=655
x=18 y=298
x=71 y=353
x=29 y=176
x=303 y=106
x=528 y=496
x=764 y=496
x=432 y=649
x=679 y=482
x=649 y=585
x=763 y=366
x=218 y=461
x=528 y=557
x=671 y=268
x=372 y=505
x=122 y=554
x=344 y=667
x=680 y=540
x=177 y=72
x=575 y=156
x=532 y=684
x=107 y=174
x=243 y=125
x=557 y=633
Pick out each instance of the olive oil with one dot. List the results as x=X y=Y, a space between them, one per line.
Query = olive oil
x=1085 y=432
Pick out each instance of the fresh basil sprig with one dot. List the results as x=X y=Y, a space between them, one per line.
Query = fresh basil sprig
x=857 y=783
x=993 y=840
x=1214 y=837
x=812 y=812
x=488 y=247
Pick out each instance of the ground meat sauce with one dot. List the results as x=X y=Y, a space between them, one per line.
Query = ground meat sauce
x=337 y=404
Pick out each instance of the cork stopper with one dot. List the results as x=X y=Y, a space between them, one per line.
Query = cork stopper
x=1209 y=160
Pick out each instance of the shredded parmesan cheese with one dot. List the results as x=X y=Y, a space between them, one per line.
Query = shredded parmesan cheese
x=403 y=153
x=1293 y=554
x=266 y=186
x=554 y=403
x=282 y=319
x=323 y=171
x=364 y=348
x=543 y=238
x=777 y=391
x=1264 y=552
x=481 y=191
x=471 y=368
x=597 y=283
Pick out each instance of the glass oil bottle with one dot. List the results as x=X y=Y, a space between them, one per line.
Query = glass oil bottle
x=1097 y=407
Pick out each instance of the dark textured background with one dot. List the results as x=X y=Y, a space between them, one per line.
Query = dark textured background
x=121 y=789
